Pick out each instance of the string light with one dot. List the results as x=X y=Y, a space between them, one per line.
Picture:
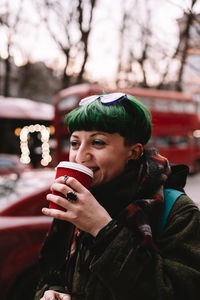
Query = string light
x=45 y=133
x=17 y=131
x=196 y=133
x=52 y=129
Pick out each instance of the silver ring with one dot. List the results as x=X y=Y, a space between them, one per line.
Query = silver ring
x=54 y=299
x=65 y=182
x=71 y=196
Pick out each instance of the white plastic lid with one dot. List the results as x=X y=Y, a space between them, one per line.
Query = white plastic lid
x=75 y=166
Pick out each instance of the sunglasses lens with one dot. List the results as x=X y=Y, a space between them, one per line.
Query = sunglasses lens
x=111 y=98
x=88 y=100
x=105 y=99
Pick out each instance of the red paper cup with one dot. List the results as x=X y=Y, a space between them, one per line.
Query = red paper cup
x=83 y=174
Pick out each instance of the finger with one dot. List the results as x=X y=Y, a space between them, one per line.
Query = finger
x=61 y=201
x=60 y=187
x=63 y=189
x=62 y=179
x=71 y=182
x=55 y=213
x=64 y=296
x=50 y=295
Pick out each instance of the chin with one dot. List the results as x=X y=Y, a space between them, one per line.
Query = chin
x=93 y=184
x=96 y=182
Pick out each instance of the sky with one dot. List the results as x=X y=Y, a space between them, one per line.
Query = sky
x=34 y=43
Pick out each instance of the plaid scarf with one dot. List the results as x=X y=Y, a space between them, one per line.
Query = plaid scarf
x=142 y=216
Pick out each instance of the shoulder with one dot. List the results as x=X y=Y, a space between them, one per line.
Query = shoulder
x=182 y=231
x=183 y=205
x=183 y=212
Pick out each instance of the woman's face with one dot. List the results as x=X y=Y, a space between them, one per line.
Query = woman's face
x=104 y=153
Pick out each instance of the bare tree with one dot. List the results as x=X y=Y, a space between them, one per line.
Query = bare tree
x=135 y=38
x=69 y=24
x=188 y=21
x=85 y=32
x=121 y=71
x=9 y=22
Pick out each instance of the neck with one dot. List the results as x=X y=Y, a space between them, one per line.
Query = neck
x=115 y=195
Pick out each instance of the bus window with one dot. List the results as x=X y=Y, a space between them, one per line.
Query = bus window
x=190 y=107
x=164 y=141
x=161 y=105
x=181 y=142
x=177 y=106
x=198 y=141
x=146 y=102
x=151 y=142
x=68 y=103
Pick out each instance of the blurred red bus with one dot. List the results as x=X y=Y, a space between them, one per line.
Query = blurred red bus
x=176 y=126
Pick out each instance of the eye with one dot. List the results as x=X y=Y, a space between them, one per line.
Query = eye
x=74 y=144
x=98 y=142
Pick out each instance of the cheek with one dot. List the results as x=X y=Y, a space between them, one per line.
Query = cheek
x=114 y=166
x=71 y=156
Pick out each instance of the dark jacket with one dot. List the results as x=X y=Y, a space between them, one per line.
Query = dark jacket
x=122 y=270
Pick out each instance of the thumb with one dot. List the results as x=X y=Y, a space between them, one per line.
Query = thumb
x=65 y=296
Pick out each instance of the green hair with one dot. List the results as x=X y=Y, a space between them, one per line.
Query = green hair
x=128 y=117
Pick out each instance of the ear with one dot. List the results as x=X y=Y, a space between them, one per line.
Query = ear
x=136 y=151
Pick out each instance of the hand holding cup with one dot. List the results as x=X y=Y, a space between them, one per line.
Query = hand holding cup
x=85 y=212
x=69 y=169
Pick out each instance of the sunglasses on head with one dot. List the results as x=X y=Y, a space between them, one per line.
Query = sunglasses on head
x=105 y=99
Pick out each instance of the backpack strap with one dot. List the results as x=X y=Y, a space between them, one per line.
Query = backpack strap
x=170 y=197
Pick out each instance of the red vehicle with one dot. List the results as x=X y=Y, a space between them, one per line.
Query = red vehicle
x=22 y=195
x=22 y=231
x=176 y=128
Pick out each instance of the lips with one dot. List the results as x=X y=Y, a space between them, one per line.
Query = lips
x=95 y=175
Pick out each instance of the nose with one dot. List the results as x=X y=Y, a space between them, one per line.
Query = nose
x=83 y=155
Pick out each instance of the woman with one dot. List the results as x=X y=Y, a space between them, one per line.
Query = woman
x=108 y=244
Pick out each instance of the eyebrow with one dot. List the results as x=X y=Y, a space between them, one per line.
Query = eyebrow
x=92 y=135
